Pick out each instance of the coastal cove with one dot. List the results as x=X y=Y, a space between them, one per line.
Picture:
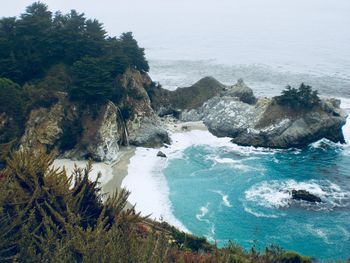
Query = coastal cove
x=214 y=188
x=211 y=187
x=183 y=131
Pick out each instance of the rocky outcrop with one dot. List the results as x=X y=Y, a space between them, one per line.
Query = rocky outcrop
x=100 y=135
x=167 y=102
x=43 y=128
x=305 y=196
x=143 y=125
x=81 y=131
x=74 y=131
x=267 y=124
x=241 y=91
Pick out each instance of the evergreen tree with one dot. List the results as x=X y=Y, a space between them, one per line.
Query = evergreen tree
x=93 y=82
x=135 y=54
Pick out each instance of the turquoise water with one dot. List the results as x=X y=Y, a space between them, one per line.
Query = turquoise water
x=225 y=193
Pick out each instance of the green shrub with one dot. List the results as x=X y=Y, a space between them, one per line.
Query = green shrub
x=12 y=103
x=293 y=257
x=302 y=98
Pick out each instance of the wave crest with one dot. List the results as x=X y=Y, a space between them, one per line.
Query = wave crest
x=277 y=194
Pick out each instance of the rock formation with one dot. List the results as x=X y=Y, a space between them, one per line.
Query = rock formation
x=305 y=196
x=96 y=131
x=166 y=102
x=267 y=124
x=161 y=154
x=143 y=125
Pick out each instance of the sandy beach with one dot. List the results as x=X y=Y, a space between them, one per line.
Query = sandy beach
x=112 y=174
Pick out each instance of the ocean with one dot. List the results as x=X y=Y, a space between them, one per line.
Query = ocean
x=213 y=188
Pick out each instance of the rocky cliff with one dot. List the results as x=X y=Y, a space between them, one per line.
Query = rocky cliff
x=143 y=125
x=96 y=131
x=172 y=102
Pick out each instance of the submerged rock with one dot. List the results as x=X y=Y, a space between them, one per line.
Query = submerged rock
x=305 y=196
x=161 y=154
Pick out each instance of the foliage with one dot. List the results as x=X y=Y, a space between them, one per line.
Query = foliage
x=32 y=45
x=71 y=134
x=302 y=98
x=12 y=104
x=92 y=81
x=44 y=53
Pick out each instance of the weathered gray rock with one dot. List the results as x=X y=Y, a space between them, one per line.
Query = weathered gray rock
x=267 y=124
x=98 y=140
x=143 y=125
x=101 y=136
x=305 y=196
x=43 y=128
x=241 y=91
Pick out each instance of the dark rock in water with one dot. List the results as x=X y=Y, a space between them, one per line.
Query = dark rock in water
x=305 y=195
x=161 y=154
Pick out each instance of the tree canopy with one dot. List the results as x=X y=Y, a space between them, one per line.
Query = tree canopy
x=37 y=40
x=302 y=98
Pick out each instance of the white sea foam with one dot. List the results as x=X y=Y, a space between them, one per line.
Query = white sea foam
x=345 y=104
x=258 y=214
x=225 y=200
x=203 y=211
x=277 y=194
x=148 y=186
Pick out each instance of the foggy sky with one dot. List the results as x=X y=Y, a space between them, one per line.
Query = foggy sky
x=141 y=16
x=256 y=30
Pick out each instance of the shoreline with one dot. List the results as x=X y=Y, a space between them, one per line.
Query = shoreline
x=146 y=181
x=139 y=169
x=112 y=174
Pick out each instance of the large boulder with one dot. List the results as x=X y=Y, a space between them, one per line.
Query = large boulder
x=305 y=196
x=267 y=124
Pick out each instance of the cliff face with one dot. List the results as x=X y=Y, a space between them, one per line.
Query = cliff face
x=80 y=131
x=267 y=124
x=143 y=124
